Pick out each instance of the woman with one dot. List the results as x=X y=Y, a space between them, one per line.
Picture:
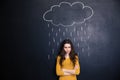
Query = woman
x=67 y=65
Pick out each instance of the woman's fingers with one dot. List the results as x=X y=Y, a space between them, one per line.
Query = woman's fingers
x=76 y=67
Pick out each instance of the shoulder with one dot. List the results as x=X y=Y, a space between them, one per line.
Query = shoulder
x=76 y=56
x=58 y=57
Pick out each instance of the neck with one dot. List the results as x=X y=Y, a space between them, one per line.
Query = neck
x=67 y=55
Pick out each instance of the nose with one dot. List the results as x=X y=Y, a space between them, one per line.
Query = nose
x=67 y=49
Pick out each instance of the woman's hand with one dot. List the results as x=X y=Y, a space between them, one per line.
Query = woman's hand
x=69 y=71
x=76 y=67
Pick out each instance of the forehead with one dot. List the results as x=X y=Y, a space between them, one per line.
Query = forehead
x=67 y=45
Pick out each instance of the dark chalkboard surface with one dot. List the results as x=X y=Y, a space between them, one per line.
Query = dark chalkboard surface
x=34 y=30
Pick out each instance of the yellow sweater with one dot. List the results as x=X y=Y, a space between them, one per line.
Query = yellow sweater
x=67 y=64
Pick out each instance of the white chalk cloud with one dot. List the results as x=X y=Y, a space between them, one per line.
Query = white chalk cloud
x=67 y=14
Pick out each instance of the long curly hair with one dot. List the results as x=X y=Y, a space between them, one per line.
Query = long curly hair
x=62 y=52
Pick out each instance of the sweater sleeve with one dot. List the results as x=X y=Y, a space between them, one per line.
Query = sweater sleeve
x=77 y=71
x=59 y=71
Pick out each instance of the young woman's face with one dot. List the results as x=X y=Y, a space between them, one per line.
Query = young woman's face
x=67 y=48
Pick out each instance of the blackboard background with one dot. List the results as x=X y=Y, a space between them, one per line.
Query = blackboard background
x=25 y=41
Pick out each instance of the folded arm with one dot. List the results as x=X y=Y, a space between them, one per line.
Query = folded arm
x=73 y=71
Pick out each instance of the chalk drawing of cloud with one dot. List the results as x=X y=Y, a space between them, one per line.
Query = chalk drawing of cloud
x=67 y=14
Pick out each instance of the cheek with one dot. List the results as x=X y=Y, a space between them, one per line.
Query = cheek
x=69 y=49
